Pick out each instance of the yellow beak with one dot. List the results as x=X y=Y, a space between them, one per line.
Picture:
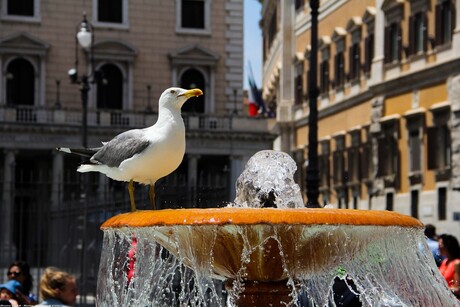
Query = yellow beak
x=193 y=92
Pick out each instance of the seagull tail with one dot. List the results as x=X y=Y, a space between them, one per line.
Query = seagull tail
x=84 y=168
x=84 y=152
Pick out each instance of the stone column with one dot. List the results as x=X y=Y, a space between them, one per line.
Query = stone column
x=57 y=187
x=456 y=36
x=103 y=188
x=453 y=89
x=7 y=249
x=286 y=101
x=192 y=179
x=379 y=45
x=236 y=168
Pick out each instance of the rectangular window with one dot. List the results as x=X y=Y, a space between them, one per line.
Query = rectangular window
x=324 y=77
x=298 y=99
x=388 y=156
x=354 y=164
x=193 y=14
x=393 y=43
x=418 y=33
x=355 y=63
x=444 y=22
x=369 y=53
x=339 y=167
x=110 y=11
x=389 y=201
x=366 y=161
x=299 y=4
x=339 y=68
x=272 y=29
x=20 y=7
x=414 y=151
x=442 y=204
x=438 y=147
x=414 y=203
x=324 y=173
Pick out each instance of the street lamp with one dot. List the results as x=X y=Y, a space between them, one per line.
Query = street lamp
x=84 y=38
x=312 y=178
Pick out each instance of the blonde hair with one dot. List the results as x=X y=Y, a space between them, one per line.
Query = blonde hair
x=52 y=281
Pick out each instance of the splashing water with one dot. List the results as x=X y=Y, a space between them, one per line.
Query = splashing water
x=383 y=264
x=268 y=181
x=186 y=265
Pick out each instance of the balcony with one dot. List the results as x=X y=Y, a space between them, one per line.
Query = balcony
x=97 y=118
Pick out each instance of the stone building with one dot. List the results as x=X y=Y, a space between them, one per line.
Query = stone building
x=50 y=214
x=389 y=83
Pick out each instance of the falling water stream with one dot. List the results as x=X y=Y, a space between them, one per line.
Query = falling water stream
x=183 y=265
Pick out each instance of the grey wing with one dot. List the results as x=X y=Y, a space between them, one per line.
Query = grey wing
x=120 y=148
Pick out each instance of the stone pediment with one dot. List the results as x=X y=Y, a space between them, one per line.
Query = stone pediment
x=114 y=49
x=339 y=33
x=23 y=43
x=391 y=4
x=194 y=54
x=324 y=42
x=354 y=23
x=369 y=14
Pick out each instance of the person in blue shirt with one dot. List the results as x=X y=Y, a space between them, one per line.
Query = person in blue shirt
x=432 y=241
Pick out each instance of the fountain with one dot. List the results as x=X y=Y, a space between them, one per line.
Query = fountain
x=283 y=256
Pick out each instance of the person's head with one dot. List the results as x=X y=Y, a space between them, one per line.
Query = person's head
x=58 y=285
x=9 y=289
x=20 y=271
x=449 y=247
x=430 y=231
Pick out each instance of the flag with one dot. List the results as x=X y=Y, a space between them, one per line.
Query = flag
x=256 y=94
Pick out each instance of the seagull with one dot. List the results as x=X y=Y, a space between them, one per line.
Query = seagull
x=143 y=155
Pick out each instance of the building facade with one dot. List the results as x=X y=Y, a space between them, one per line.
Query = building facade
x=389 y=84
x=50 y=213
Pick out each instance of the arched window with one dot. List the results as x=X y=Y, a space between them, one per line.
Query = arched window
x=110 y=88
x=192 y=78
x=20 y=83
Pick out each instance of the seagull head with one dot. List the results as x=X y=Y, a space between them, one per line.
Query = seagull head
x=175 y=97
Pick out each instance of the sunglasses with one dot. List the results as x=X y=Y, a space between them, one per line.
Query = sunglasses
x=13 y=273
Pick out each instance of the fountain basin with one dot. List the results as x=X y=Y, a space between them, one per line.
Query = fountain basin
x=268 y=257
x=279 y=243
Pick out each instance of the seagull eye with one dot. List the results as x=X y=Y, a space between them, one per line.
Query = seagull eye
x=172 y=91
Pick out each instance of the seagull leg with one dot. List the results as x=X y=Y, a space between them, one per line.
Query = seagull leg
x=131 y=195
x=152 y=195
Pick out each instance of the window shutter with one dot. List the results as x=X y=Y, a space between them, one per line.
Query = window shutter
x=365 y=155
x=351 y=66
x=399 y=41
x=387 y=44
x=425 y=32
x=382 y=157
x=412 y=35
x=366 y=55
x=453 y=13
x=431 y=147
x=438 y=25
x=336 y=69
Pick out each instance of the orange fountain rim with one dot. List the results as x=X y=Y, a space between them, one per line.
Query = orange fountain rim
x=251 y=216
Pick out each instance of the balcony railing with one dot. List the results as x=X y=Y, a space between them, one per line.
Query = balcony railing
x=126 y=119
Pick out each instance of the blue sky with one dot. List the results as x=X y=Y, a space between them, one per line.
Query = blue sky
x=252 y=41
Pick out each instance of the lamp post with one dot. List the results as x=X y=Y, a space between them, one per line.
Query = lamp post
x=85 y=39
x=312 y=178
